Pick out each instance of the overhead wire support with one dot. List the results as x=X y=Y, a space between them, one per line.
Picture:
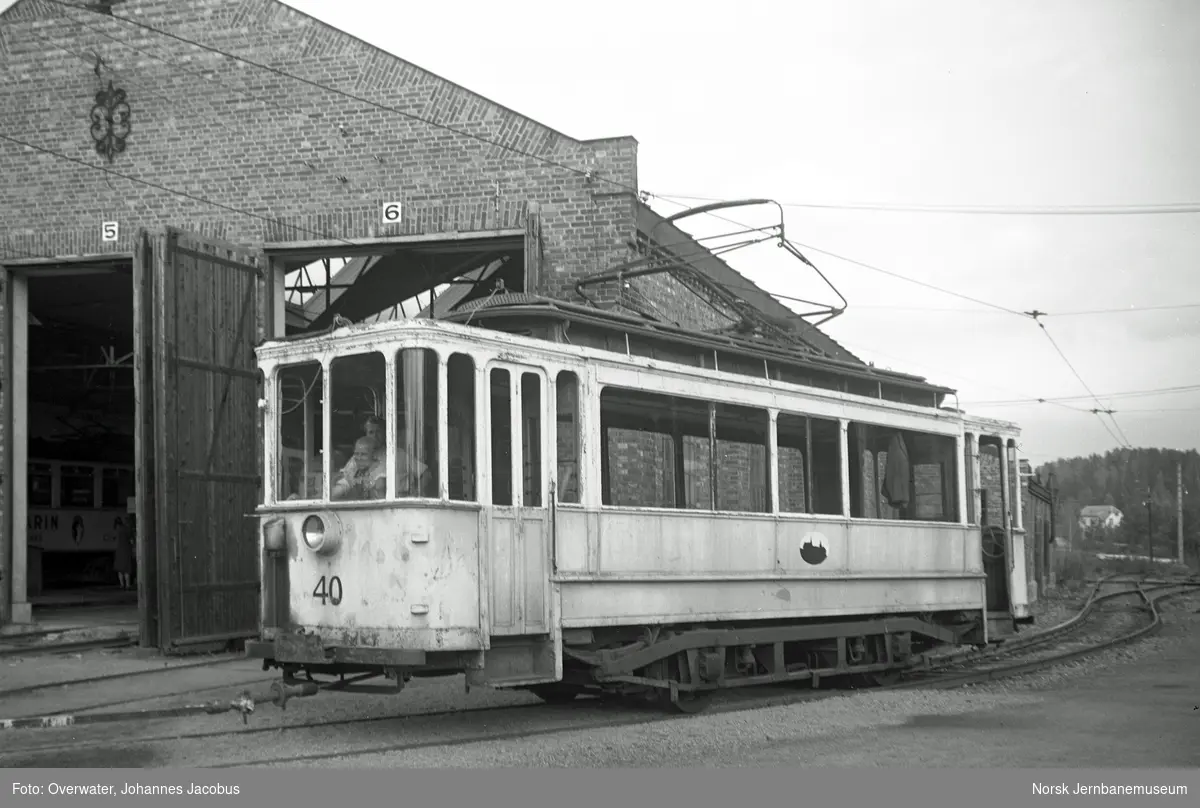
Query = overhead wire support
x=1122 y=441
x=1156 y=391
x=1033 y=314
x=664 y=258
x=992 y=210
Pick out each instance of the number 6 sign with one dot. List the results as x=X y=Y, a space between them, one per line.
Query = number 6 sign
x=391 y=213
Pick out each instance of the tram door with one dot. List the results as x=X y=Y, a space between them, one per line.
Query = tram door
x=519 y=530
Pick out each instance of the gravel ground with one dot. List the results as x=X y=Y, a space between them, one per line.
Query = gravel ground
x=722 y=739
x=35 y=669
x=153 y=739
x=1130 y=707
x=1121 y=708
x=167 y=687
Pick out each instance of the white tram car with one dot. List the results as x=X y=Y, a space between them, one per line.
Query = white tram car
x=575 y=501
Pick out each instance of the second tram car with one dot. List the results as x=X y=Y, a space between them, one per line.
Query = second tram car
x=572 y=501
x=76 y=511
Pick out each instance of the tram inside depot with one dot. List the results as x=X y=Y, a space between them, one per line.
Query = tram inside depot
x=80 y=412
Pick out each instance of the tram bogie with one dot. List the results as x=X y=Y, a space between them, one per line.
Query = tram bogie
x=566 y=519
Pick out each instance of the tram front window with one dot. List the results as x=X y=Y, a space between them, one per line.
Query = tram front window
x=300 y=422
x=358 y=427
x=417 y=420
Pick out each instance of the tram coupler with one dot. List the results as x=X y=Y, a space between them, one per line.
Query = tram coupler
x=282 y=691
x=243 y=704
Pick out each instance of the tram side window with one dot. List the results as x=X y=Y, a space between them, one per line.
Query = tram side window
x=806 y=487
x=501 y=432
x=903 y=475
x=116 y=487
x=460 y=401
x=659 y=453
x=742 y=466
x=417 y=419
x=531 y=439
x=301 y=426
x=78 y=487
x=567 y=440
x=641 y=466
x=357 y=432
x=41 y=482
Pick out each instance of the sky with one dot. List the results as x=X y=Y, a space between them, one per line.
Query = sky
x=963 y=104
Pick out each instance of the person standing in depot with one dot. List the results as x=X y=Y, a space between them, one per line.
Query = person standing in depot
x=123 y=561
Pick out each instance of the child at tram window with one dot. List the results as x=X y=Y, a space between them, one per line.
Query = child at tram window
x=373 y=428
x=364 y=477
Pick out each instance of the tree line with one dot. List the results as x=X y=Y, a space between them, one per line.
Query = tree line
x=1141 y=483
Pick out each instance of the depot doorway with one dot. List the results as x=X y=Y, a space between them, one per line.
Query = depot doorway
x=71 y=441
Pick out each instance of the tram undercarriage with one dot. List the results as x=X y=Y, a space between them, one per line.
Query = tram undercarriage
x=677 y=666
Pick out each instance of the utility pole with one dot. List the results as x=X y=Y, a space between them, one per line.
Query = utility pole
x=1179 y=509
x=1150 y=524
x=1050 y=555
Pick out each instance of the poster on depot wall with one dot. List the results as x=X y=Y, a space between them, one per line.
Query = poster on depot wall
x=64 y=530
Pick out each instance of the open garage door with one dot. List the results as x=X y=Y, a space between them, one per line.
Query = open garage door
x=197 y=319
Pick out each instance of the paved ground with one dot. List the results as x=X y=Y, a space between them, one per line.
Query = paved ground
x=1136 y=707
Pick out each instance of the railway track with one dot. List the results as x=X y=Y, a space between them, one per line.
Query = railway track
x=1083 y=635
x=66 y=647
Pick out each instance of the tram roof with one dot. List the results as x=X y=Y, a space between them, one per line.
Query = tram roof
x=525 y=313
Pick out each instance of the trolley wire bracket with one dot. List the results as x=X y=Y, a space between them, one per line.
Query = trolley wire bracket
x=658 y=258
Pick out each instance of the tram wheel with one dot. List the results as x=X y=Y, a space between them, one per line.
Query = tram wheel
x=555 y=692
x=690 y=702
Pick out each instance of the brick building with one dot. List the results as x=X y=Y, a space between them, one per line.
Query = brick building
x=258 y=172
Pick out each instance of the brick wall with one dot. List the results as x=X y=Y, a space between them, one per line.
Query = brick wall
x=791 y=480
x=242 y=139
x=641 y=470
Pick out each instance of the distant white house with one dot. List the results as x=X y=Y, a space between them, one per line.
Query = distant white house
x=1100 y=516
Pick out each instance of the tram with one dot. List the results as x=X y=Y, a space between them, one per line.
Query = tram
x=75 y=512
x=568 y=500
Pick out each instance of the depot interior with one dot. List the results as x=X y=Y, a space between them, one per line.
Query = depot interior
x=80 y=413
x=82 y=410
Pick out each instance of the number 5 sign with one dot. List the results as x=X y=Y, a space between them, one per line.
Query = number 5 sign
x=109 y=231
x=391 y=213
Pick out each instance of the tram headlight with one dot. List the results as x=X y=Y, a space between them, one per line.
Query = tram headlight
x=322 y=533
x=314 y=532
